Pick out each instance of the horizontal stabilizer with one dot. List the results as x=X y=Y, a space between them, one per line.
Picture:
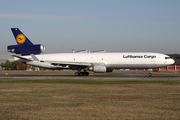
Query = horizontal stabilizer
x=20 y=57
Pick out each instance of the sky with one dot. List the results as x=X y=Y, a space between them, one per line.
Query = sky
x=111 y=25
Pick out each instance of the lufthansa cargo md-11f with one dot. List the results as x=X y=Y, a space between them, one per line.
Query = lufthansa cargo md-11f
x=29 y=53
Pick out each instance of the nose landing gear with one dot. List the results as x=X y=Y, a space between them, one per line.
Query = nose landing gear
x=150 y=74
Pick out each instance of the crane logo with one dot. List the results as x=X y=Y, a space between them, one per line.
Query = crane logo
x=20 y=38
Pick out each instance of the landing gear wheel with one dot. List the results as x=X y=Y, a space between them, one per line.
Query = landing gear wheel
x=77 y=74
x=81 y=73
x=86 y=73
x=149 y=74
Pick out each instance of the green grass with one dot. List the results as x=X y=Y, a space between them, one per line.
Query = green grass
x=87 y=99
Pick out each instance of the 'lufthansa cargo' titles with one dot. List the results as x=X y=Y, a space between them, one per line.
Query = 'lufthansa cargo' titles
x=139 y=56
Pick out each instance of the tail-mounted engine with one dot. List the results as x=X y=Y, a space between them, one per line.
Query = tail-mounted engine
x=25 y=50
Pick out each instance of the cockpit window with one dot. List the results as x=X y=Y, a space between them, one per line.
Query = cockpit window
x=167 y=58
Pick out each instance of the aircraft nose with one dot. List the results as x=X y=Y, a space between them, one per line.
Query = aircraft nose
x=169 y=62
x=172 y=61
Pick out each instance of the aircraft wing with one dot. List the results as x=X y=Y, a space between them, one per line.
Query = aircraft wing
x=55 y=63
x=64 y=63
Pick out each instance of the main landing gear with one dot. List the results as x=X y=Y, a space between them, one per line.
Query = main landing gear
x=81 y=73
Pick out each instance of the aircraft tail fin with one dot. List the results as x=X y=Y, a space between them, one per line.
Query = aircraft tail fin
x=20 y=37
x=25 y=46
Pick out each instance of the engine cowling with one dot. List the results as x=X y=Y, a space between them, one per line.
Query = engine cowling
x=98 y=68
x=19 y=49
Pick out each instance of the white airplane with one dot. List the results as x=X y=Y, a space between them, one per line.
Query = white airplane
x=82 y=61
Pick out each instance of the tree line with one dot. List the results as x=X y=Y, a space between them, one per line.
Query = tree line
x=13 y=65
x=174 y=56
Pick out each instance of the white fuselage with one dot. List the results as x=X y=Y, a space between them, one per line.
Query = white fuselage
x=136 y=60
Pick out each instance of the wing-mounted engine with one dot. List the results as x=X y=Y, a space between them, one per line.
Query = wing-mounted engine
x=98 y=68
x=24 y=50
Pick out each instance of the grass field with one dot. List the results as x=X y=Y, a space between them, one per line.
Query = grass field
x=89 y=99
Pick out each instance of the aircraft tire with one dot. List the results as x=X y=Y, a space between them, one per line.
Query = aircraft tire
x=86 y=73
x=77 y=73
x=81 y=73
x=149 y=74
